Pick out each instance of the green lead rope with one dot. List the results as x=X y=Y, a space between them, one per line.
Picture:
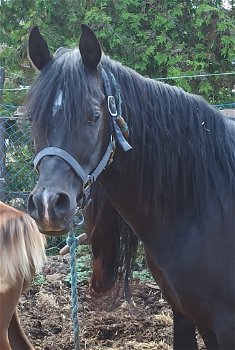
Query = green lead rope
x=72 y=243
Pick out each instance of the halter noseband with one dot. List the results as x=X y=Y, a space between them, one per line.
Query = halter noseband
x=116 y=136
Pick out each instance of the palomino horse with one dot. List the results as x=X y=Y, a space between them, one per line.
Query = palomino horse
x=169 y=171
x=21 y=256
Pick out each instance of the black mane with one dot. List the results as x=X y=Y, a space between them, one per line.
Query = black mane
x=181 y=144
x=65 y=72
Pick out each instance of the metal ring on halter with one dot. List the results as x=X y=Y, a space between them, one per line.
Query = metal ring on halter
x=78 y=218
x=112 y=106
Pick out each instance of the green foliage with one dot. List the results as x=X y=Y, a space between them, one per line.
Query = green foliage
x=142 y=276
x=140 y=270
x=16 y=155
x=19 y=155
x=156 y=38
x=38 y=280
x=54 y=244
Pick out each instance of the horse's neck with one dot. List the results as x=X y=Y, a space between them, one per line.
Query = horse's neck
x=125 y=197
x=7 y=212
x=3 y=205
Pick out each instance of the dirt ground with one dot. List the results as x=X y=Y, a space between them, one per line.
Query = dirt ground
x=45 y=313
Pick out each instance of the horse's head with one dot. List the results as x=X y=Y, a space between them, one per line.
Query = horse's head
x=70 y=126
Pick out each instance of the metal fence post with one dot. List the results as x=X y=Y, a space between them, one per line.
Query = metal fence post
x=2 y=140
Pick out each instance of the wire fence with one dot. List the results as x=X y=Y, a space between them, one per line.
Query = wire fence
x=17 y=176
x=16 y=153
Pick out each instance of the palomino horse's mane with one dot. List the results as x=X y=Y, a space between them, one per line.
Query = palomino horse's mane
x=21 y=247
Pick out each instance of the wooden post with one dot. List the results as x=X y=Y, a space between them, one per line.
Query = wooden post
x=2 y=140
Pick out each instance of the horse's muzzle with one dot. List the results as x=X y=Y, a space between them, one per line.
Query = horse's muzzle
x=51 y=210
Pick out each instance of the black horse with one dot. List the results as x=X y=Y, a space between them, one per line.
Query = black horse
x=175 y=188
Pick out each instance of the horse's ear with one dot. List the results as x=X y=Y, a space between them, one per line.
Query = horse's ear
x=89 y=48
x=38 y=50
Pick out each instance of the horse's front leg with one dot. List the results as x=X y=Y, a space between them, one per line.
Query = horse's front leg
x=184 y=328
x=184 y=332
x=209 y=338
x=9 y=297
x=17 y=337
x=4 y=341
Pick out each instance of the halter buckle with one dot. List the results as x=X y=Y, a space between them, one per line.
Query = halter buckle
x=112 y=106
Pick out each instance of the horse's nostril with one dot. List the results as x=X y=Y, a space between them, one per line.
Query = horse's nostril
x=32 y=209
x=62 y=203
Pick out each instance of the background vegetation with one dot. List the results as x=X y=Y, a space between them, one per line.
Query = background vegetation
x=156 y=38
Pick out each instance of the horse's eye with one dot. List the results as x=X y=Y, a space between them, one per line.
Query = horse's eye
x=94 y=116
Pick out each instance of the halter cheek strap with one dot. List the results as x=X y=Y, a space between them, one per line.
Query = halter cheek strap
x=115 y=109
x=116 y=135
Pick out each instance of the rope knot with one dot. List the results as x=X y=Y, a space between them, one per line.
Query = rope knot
x=72 y=241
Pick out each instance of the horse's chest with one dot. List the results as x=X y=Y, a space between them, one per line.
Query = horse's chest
x=166 y=285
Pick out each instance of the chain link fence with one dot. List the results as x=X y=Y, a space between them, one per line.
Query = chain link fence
x=17 y=176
